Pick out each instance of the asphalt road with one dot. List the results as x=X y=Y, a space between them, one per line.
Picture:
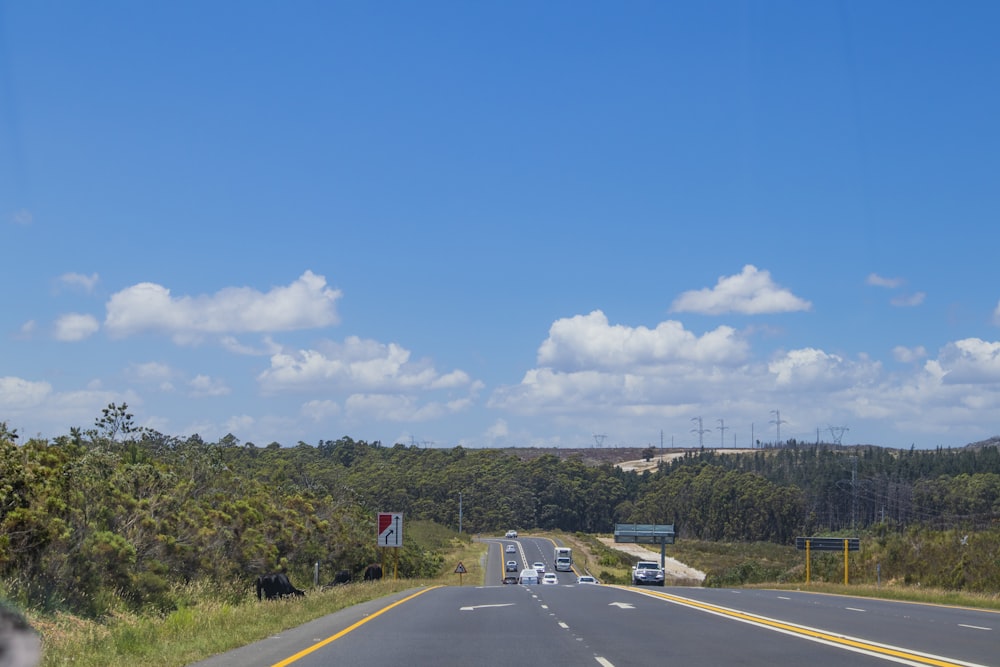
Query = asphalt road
x=569 y=624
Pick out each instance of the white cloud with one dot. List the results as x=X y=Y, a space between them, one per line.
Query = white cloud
x=810 y=369
x=151 y=371
x=79 y=280
x=356 y=365
x=19 y=394
x=203 y=385
x=27 y=329
x=970 y=361
x=590 y=342
x=306 y=303
x=908 y=355
x=75 y=326
x=752 y=292
x=321 y=410
x=393 y=407
x=909 y=300
x=878 y=281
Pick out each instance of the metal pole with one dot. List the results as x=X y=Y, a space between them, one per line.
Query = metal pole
x=460 y=513
x=845 y=562
x=807 y=562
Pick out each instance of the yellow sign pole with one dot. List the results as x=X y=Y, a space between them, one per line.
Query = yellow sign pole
x=807 y=562
x=845 y=562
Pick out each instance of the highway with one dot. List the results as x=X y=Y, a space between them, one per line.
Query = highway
x=621 y=626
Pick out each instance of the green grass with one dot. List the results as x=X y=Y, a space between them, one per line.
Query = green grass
x=210 y=624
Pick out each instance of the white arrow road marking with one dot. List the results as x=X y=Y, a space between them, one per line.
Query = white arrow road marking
x=621 y=605
x=486 y=606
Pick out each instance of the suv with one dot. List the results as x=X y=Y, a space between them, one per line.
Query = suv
x=511 y=535
x=528 y=577
x=647 y=572
x=512 y=566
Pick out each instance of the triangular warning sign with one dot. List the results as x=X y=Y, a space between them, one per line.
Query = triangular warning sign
x=460 y=569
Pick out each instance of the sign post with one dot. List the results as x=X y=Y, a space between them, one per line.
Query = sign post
x=390 y=534
x=646 y=533
x=828 y=544
x=460 y=570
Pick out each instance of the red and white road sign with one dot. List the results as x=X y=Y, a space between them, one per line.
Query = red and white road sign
x=390 y=529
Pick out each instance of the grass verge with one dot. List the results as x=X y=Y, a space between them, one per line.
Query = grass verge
x=209 y=626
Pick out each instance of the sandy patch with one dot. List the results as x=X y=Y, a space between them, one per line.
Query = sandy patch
x=672 y=567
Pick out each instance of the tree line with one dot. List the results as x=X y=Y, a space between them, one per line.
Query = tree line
x=117 y=514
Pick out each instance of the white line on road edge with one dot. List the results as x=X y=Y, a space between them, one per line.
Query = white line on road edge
x=973 y=627
x=603 y=662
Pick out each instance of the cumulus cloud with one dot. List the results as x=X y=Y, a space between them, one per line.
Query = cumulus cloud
x=878 y=281
x=358 y=365
x=79 y=281
x=970 y=361
x=590 y=341
x=306 y=303
x=75 y=326
x=752 y=292
x=810 y=369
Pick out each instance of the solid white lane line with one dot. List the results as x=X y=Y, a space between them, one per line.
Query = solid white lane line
x=973 y=627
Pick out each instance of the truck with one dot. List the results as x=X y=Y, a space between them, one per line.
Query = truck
x=648 y=572
x=562 y=557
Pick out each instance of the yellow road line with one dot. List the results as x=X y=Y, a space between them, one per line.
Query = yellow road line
x=816 y=635
x=333 y=638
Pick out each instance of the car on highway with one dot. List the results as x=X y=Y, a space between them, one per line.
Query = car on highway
x=510 y=549
x=511 y=535
x=550 y=578
x=586 y=579
x=511 y=566
x=528 y=577
x=539 y=565
x=647 y=572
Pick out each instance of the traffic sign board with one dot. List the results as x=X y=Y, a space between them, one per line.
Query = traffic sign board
x=828 y=543
x=460 y=569
x=390 y=529
x=644 y=533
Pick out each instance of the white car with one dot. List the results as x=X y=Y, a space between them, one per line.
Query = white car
x=511 y=549
x=511 y=566
x=538 y=565
x=550 y=578
x=511 y=535
x=586 y=579
x=528 y=577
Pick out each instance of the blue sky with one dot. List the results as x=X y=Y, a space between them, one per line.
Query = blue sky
x=503 y=224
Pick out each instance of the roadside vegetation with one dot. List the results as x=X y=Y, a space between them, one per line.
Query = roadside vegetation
x=114 y=537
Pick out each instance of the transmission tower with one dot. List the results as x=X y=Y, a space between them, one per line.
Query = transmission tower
x=837 y=432
x=700 y=431
x=599 y=439
x=722 y=435
x=778 y=421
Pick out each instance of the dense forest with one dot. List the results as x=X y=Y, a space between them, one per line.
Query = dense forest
x=117 y=514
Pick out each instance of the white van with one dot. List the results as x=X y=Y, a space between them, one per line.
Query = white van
x=528 y=577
